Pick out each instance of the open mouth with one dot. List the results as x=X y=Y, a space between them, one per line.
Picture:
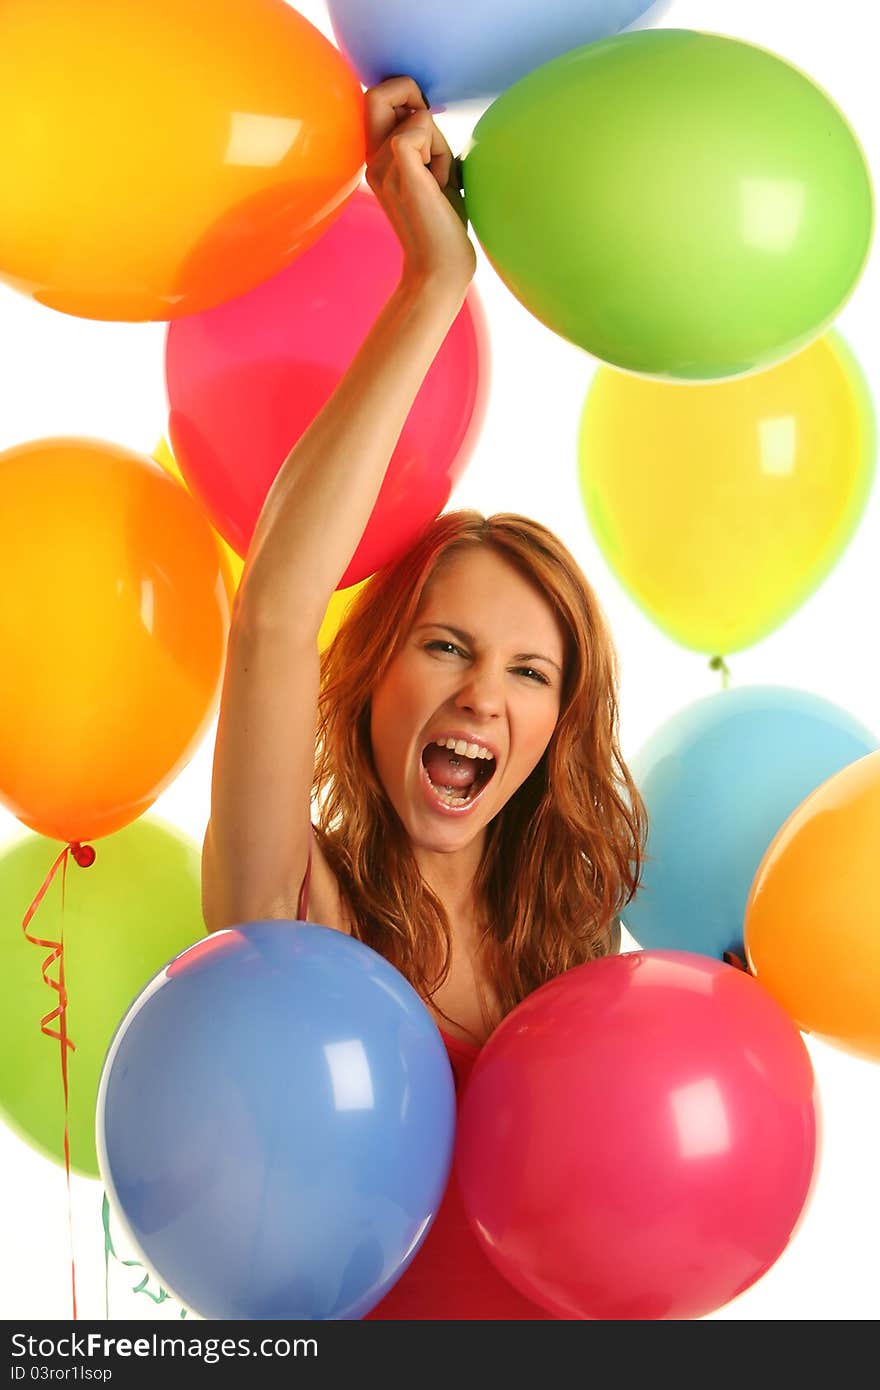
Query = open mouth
x=454 y=779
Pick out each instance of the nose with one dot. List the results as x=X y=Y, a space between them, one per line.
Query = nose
x=481 y=693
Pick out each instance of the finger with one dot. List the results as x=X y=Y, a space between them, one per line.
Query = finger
x=441 y=157
x=420 y=131
x=383 y=105
x=736 y=960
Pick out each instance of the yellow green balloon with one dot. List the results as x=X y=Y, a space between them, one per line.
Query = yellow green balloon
x=680 y=204
x=337 y=608
x=134 y=909
x=722 y=507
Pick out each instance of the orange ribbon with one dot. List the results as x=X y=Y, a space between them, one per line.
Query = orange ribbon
x=84 y=856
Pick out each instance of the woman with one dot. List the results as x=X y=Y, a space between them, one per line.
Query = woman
x=475 y=821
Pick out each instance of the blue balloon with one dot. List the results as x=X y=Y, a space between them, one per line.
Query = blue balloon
x=461 y=49
x=275 y=1124
x=719 y=779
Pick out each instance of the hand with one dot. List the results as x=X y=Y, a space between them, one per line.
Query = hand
x=411 y=171
x=736 y=960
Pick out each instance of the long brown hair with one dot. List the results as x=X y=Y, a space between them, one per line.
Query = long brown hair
x=564 y=854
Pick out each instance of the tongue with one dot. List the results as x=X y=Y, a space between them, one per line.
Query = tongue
x=447 y=770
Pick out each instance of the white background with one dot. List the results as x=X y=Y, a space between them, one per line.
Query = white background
x=62 y=375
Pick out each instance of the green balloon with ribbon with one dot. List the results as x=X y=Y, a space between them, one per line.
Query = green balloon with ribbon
x=124 y=916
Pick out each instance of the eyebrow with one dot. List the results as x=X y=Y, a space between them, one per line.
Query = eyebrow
x=469 y=637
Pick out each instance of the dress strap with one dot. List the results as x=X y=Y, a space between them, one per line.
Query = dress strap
x=302 y=906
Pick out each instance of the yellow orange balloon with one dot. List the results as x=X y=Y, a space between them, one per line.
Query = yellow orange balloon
x=336 y=611
x=231 y=559
x=113 y=626
x=721 y=507
x=158 y=157
x=812 y=925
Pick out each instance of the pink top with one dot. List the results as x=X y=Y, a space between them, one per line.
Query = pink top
x=450 y=1279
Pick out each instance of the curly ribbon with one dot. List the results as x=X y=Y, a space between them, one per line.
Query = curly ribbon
x=85 y=857
x=159 y=1297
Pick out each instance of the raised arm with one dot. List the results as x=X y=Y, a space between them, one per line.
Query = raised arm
x=256 y=846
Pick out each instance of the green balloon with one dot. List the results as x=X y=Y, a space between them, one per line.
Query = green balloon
x=680 y=204
x=135 y=908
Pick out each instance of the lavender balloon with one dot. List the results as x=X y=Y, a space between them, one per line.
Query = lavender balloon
x=458 y=50
x=275 y=1124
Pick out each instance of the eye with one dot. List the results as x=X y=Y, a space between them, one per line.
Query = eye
x=439 y=644
x=533 y=674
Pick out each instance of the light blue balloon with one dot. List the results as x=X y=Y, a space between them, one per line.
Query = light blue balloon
x=719 y=779
x=458 y=50
x=275 y=1124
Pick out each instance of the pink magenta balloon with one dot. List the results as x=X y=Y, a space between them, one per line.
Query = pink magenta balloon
x=247 y=378
x=638 y=1138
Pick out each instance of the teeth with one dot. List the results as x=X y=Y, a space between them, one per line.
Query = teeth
x=464 y=749
x=452 y=798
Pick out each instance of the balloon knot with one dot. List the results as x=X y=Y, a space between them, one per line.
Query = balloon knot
x=83 y=854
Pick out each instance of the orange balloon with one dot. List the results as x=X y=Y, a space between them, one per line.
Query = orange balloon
x=113 y=625
x=232 y=561
x=812 y=927
x=161 y=156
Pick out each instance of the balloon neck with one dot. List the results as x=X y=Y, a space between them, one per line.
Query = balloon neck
x=83 y=854
x=719 y=664
x=455 y=190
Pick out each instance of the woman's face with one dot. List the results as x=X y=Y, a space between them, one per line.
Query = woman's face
x=481 y=665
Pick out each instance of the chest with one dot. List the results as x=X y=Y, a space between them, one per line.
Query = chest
x=466 y=996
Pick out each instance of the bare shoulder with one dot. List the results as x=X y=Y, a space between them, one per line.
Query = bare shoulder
x=325 y=899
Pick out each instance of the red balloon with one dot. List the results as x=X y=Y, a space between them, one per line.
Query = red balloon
x=638 y=1139
x=247 y=378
